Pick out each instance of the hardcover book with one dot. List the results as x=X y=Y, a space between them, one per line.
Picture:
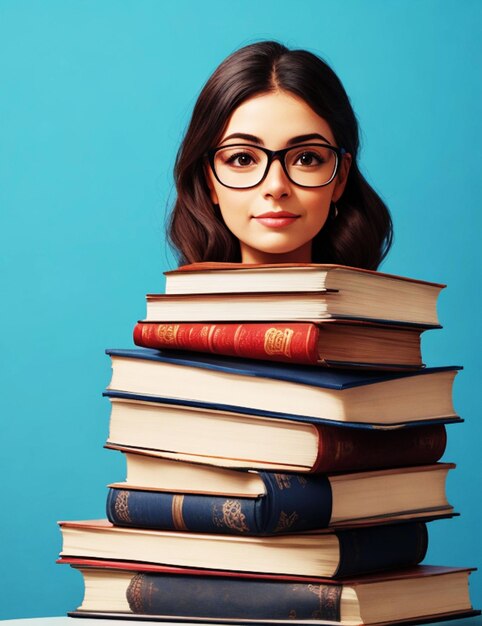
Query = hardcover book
x=289 y=503
x=124 y=589
x=331 y=553
x=282 y=292
x=329 y=343
x=337 y=395
x=229 y=439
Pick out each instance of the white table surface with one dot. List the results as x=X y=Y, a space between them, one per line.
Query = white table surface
x=86 y=621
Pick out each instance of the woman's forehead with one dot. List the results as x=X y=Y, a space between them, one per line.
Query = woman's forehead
x=275 y=118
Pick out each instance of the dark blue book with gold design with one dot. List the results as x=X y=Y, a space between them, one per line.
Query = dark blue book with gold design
x=287 y=503
x=133 y=590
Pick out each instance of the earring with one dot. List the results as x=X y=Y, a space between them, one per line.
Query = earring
x=333 y=211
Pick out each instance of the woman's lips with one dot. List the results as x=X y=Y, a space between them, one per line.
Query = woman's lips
x=276 y=219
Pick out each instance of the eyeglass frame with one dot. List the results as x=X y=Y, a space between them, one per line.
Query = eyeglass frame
x=274 y=155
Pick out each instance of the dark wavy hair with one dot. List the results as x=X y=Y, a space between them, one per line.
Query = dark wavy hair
x=360 y=235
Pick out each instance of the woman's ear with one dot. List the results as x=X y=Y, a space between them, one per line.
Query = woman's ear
x=210 y=182
x=341 y=177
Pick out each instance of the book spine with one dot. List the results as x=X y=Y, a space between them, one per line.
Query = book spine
x=379 y=548
x=354 y=449
x=231 y=598
x=293 y=503
x=294 y=343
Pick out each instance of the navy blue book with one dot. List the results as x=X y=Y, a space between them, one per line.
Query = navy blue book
x=291 y=503
x=133 y=590
x=231 y=598
x=285 y=390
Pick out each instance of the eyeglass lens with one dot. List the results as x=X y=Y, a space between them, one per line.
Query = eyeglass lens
x=245 y=166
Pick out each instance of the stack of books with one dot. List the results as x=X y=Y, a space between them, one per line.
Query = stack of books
x=281 y=470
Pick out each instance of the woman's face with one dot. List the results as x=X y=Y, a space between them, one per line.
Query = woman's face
x=276 y=220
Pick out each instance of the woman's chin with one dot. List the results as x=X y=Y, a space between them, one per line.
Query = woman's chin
x=276 y=253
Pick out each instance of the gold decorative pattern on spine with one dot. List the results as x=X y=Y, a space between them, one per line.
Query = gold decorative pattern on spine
x=177 y=518
x=329 y=602
x=343 y=449
x=145 y=332
x=233 y=516
x=134 y=594
x=122 y=506
x=168 y=333
x=286 y=521
x=210 y=336
x=311 y=330
x=278 y=341
x=237 y=337
x=283 y=481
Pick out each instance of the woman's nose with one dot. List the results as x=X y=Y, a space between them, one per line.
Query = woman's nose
x=276 y=184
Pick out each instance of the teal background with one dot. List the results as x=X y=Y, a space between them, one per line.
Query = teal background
x=94 y=98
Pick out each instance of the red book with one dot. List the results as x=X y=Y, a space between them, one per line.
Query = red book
x=330 y=343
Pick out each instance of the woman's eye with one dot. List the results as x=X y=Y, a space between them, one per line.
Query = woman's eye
x=309 y=158
x=241 y=159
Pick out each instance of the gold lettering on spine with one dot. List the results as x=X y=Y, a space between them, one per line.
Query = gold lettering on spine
x=278 y=341
x=167 y=333
x=177 y=518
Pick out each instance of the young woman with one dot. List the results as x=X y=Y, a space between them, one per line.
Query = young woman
x=267 y=171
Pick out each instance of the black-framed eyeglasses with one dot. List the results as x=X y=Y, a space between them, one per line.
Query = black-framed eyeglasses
x=242 y=166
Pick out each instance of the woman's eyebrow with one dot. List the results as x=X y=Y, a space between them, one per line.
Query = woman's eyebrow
x=303 y=138
x=291 y=142
x=244 y=136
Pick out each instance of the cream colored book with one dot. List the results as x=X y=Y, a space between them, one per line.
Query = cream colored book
x=240 y=440
x=256 y=387
x=232 y=292
x=329 y=553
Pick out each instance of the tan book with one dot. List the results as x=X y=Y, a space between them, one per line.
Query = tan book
x=329 y=553
x=222 y=383
x=244 y=440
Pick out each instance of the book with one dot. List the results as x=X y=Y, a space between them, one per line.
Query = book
x=370 y=397
x=422 y=593
x=245 y=440
x=288 y=503
x=149 y=472
x=329 y=343
x=291 y=292
x=330 y=553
